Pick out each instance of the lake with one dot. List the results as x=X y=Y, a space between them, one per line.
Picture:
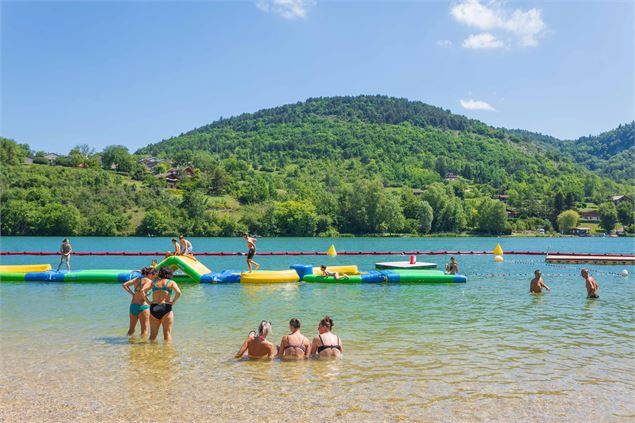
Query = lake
x=485 y=350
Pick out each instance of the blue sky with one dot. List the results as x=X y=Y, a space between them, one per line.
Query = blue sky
x=135 y=73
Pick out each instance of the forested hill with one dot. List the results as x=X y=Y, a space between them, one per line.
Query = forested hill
x=610 y=154
x=347 y=165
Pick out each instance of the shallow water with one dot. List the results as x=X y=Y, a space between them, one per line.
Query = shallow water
x=486 y=350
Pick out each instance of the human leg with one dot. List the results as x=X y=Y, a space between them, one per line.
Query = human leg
x=144 y=319
x=133 y=324
x=154 y=327
x=168 y=322
x=68 y=263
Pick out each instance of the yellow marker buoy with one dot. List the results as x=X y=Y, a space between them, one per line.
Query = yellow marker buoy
x=498 y=250
x=331 y=252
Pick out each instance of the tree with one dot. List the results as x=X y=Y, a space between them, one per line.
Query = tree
x=119 y=156
x=297 y=218
x=492 y=217
x=12 y=153
x=58 y=219
x=625 y=213
x=608 y=216
x=19 y=217
x=567 y=220
x=156 y=223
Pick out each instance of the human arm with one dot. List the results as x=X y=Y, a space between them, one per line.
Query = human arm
x=307 y=346
x=126 y=285
x=177 y=291
x=544 y=285
x=243 y=349
x=314 y=346
x=282 y=346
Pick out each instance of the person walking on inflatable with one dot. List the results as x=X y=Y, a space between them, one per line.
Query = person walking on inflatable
x=65 y=251
x=251 y=251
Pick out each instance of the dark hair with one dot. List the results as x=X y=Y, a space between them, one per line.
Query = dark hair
x=173 y=239
x=145 y=271
x=65 y=240
x=327 y=322
x=537 y=271
x=295 y=323
x=322 y=266
x=166 y=273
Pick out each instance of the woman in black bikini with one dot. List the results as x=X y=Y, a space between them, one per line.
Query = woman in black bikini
x=326 y=344
x=294 y=346
x=161 y=304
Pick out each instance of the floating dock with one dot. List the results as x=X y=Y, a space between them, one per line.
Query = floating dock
x=584 y=259
x=404 y=265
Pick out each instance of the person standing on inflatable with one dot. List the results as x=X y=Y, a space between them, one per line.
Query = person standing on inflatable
x=65 y=251
x=251 y=251
x=186 y=247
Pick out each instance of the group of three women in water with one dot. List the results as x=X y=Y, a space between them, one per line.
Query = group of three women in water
x=158 y=310
x=294 y=346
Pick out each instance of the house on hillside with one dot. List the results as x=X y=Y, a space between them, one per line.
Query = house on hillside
x=512 y=214
x=150 y=162
x=503 y=197
x=51 y=157
x=451 y=177
x=172 y=178
x=417 y=192
x=590 y=215
x=617 y=199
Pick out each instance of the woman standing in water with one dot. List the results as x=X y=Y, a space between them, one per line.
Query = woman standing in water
x=294 y=346
x=161 y=305
x=326 y=344
x=258 y=346
x=139 y=306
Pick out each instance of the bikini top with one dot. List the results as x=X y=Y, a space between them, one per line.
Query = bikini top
x=324 y=347
x=301 y=346
x=162 y=288
x=138 y=286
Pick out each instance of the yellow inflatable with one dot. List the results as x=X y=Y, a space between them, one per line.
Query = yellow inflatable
x=349 y=269
x=270 y=276
x=25 y=268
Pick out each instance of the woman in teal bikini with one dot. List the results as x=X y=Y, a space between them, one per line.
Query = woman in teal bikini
x=161 y=305
x=139 y=307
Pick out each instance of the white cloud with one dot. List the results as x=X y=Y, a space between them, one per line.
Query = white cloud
x=482 y=40
x=444 y=43
x=476 y=105
x=527 y=26
x=287 y=9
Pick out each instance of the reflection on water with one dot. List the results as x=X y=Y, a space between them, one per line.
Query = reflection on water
x=487 y=350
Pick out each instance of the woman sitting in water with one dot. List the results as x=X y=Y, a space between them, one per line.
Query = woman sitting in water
x=258 y=346
x=326 y=344
x=139 y=307
x=294 y=346
x=161 y=304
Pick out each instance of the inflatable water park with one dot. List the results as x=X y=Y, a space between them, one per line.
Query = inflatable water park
x=192 y=270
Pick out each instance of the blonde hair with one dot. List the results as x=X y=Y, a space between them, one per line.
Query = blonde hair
x=264 y=329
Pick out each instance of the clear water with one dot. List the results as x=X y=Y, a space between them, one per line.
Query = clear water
x=486 y=350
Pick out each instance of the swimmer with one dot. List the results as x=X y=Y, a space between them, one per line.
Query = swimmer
x=139 y=307
x=185 y=247
x=326 y=344
x=591 y=285
x=154 y=263
x=452 y=267
x=536 y=284
x=257 y=347
x=336 y=275
x=294 y=346
x=251 y=251
x=65 y=255
x=161 y=313
x=177 y=248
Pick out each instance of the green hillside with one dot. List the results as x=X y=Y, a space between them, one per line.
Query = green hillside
x=609 y=154
x=359 y=165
